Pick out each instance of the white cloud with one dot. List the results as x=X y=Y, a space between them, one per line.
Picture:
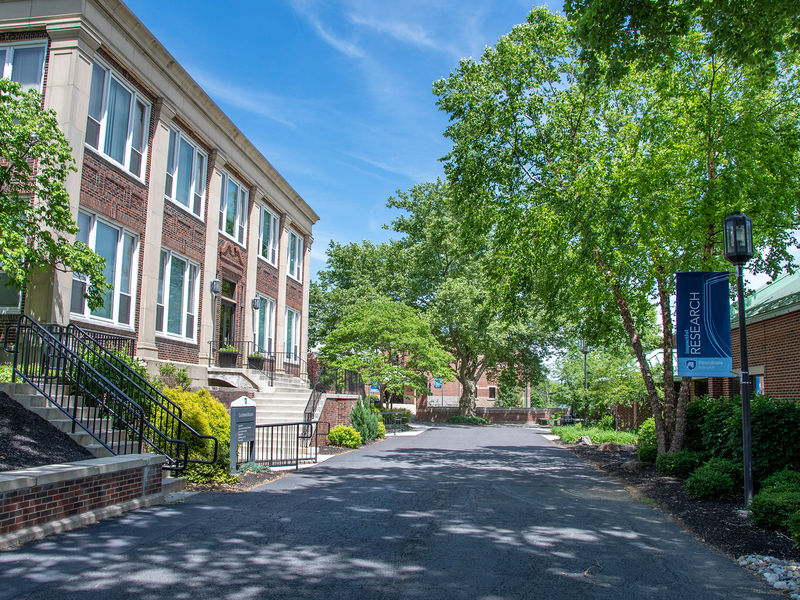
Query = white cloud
x=404 y=32
x=304 y=8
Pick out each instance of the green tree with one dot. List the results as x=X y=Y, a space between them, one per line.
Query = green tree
x=386 y=342
x=750 y=32
x=597 y=195
x=35 y=217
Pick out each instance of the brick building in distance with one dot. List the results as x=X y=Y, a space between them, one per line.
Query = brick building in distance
x=772 y=315
x=205 y=242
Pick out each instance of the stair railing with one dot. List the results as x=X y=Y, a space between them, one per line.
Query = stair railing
x=163 y=414
x=88 y=398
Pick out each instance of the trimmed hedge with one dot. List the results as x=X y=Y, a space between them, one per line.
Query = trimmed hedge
x=206 y=415
x=774 y=508
x=679 y=464
x=646 y=444
x=716 y=478
x=344 y=436
x=460 y=420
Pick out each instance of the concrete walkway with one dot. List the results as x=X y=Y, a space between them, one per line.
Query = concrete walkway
x=456 y=512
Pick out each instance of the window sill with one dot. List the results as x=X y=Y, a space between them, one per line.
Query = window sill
x=264 y=260
x=228 y=236
x=166 y=337
x=101 y=321
x=293 y=278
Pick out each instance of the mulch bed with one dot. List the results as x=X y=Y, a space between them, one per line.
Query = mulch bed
x=27 y=440
x=715 y=522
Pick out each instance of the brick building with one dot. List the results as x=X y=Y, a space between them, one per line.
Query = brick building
x=205 y=243
x=772 y=315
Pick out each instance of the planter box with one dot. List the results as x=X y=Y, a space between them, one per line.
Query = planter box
x=256 y=362
x=227 y=358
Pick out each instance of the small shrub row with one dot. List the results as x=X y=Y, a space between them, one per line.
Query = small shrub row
x=462 y=420
x=679 y=464
x=716 y=478
x=344 y=437
x=216 y=474
x=570 y=434
x=777 y=504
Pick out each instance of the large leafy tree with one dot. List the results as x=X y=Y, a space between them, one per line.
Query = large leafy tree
x=631 y=32
x=35 y=217
x=388 y=343
x=595 y=196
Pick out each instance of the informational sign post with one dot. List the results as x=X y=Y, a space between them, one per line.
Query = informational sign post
x=243 y=429
x=703 y=333
x=437 y=382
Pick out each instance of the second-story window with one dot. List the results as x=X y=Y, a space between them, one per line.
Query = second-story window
x=118 y=120
x=233 y=209
x=295 y=256
x=23 y=63
x=268 y=236
x=186 y=173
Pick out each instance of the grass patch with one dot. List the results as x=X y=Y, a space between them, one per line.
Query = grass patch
x=570 y=434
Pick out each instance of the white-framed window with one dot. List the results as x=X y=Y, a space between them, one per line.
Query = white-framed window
x=10 y=298
x=23 y=63
x=233 y=209
x=295 y=256
x=265 y=325
x=178 y=294
x=120 y=249
x=118 y=122
x=268 y=231
x=186 y=173
x=292 y=335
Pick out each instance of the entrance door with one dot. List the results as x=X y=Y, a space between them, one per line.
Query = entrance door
x=227 y=314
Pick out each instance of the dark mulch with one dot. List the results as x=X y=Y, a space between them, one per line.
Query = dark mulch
x=248 y=481
x=27 y=440
x=715 y=522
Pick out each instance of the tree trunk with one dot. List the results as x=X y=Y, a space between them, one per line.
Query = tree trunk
x=679 y=439
x=668 y=376
x=636 y=343
x=466 y=403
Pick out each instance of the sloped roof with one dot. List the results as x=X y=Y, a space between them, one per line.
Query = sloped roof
x=777 y=297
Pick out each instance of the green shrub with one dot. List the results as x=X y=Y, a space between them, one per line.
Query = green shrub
x=405 y=417
x=217 y=474
x=716 y=478
x=679 y=464
x=253 y=467
x=206 y=415
x=607 y=422
x=773 y=508
x=344 y=436
x=716 y=426
x=646 y=444
x=6 y=372
x=782 y=481
x=364 y=421
x=794 y=528
x=570 y=434
x=460 y=420
x=381 y=430
x=172 y=377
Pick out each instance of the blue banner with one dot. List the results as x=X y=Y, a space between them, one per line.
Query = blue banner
x=703 y=332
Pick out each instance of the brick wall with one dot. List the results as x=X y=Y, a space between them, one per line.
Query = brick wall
x=336 y=411
x=772 y=345
x=267 y=279
x=294 y=294
x=177 y=351
x=36 y=496
x=227 y=396
x=495 y=415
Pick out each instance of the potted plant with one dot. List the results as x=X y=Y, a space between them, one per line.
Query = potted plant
x=255 y=360
x=228 y=356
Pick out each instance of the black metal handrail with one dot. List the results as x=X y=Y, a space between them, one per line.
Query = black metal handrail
x=285 y=444
x=115 y=343
x=162 y=413
x=333 y=381
x=87 y=397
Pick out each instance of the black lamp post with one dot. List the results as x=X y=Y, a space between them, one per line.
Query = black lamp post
x=255 y=304
x=738 y=250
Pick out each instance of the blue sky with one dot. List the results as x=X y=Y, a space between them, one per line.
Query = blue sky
x=335 y=93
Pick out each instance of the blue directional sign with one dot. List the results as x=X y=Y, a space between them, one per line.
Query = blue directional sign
x=374 y=387
x=437 y=382
x=703 y=332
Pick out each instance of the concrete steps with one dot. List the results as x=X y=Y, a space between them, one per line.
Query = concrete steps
x=283 y=402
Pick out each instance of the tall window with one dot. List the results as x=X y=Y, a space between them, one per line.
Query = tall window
x=23 y=63
x=9 y=296
x=268 y=235
x=292 y=335
x=186 y=173
x=120 y=250
x=295 y=256
x=265 y=325
x=177 y=299
x=233 y=209
x=118 y=120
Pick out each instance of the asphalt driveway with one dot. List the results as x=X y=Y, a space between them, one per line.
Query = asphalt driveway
x=456 y=512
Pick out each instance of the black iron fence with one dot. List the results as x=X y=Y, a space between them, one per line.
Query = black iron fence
x=285 y=444
x=162 y=414
x=332 y=381
x=87 y=397
x=241 y=354
x=115 y=343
